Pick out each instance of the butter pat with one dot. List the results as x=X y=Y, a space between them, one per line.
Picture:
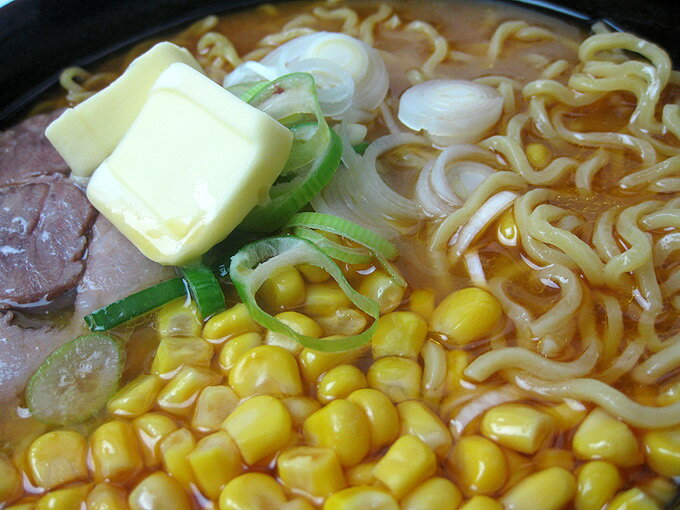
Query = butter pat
x=193 y=164
x=87 y=134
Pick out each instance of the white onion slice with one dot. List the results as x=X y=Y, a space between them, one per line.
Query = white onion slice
x=451 y=111
x=483 y=403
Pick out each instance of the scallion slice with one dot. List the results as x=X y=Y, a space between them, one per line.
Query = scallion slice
x=332 y=249
x=257 y=261
x=205 y=289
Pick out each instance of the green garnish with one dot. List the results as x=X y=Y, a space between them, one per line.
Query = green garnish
x=205 y=289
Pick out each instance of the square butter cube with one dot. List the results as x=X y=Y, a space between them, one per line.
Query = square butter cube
x=193 y=164
x=87 y=134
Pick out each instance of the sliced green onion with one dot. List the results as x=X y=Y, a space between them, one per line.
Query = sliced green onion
x=257 y=261
x=205 y=289
x=347 y=229
x=334 y=250
x=134 y=305
x=391 y=270
x=246 y=91
x=76 y=380
x=360 y=148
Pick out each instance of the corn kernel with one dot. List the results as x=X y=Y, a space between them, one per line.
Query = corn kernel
x=662 y=448
x=179 y=318
x=361 y=498
x=342 y=426
x=252 y=491
x=268 y=370
x=71 y=498
x=669 y=393
x=9 y=479
x=232 y=322
x=519 y=466
x=115 y=452
x=313 y=470
x=158 y=492
x=300 y=408
x=212 y=407
x=272 y=431
x=568 y=414
x=105 y=496
x=361 y=474
x=422 y=303
x=398 y=378
x=435 y=493
x=597 y=481
x=382 y=288
x=136 y=397
x=299 y=323
x=21 y=506
x=340 y=382
x=407 y=463
x=297 y=504
x=466 y=315
x=283 y=289
x=324 y=299
x=456 y=363
x=517 y=426
x=601 y=436
x=343 y=322
x=234 y=348
x=554 y=457
x=383 y=418
x=481 y=503
x=313 y=363
x=507 y=228
x=662 y=489
x=479 y=465
x=417 y=420
x=313 y=274
x=633 y=499
x=549 y=489
x=175 y=449
x=174 y=353
x=399 y=334
x=56 y=458
x=151 y=428
x=214 y=462
x=538 y=154
x=179 y=395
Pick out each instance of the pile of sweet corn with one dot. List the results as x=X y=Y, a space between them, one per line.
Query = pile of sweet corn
x=226 y=415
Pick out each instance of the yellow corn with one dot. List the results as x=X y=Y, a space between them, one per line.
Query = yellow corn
x=549 y=489
x=361 y=498
x=383 y=418
x=300 y=408
x=456 y=363
x=417 y=420
x=158 y=492
x=633 y=499
x=343 y=322
x=260 y=426
x=407 y=463
x=519 y=466
x=179 y=396
x=342 y=426
x=399 y=334
x=266 y=369
x=313 y=470
x=662 y=448
x=212 y=407
x=299 y=323
x=234 y=348
x=232 y=322
x=252 y=491
x=214 y=462
x=136 y=397
x=175 y=449
x=284 y=289
x=601 y=436
x=481 y=503
x=313 y=274
x=478 y=464
x=361 y=474
x=105 y=496
x=324 y=299
x=398 y=378
x=669 y=393
x=314 y=363
x=566 y=415
x=57 y=457
x=435 y=493
x=21 y=506
x=340 y=382
x=71 y=498
x=115 y=452
x=297 y=504
x=507 y=228
x=466 y=315
x=174 y=353
x=538 y=154
x=554 y=457
x=597 y=482
x=9 y=479
x=422 y=303
x=662 y=489
x=151 y=428
x=179 y=318
x=517 y=426
x=382 y=288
